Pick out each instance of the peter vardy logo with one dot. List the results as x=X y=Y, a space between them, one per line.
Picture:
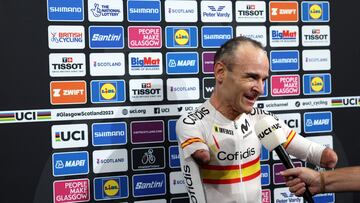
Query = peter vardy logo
x=215 y=36
x=60 y=10
x=144 y=11
x=149 y=184
x=182 y=63
x=316 y=122
x=108 y=91
x=284 y=60
x=317 y=84
x=181 y=37
x=70 y=163
x=105 y=134
x=315 y=11
x=114 y=187
x=106 y=37
x=216 y=11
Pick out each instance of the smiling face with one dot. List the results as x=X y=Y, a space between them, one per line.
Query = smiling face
x=239 y=86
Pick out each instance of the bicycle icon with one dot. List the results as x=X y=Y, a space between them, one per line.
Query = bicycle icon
x=148 y=157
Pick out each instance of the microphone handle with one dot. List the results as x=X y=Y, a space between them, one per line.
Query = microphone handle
x=286 y=160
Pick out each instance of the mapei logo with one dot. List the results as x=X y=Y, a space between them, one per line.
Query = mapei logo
x=316 y=122
x=107 y=11
x=106 y=134
x=215 y=36
x=144 y=11
x=70 y=163
x=318 y=11
x=287 y=60
x=284 y=36
x=216 y=11
x=149 y=63
x=144 y=37
x=106 y=37
x=151 y=184
x=108 y=91
x=315 y=84
x=283 y=11
x=67 y=65
x=59 y=10
x=181 y=37
x=69 y=136
x=250 y=11
x=146 y=90
x=66 y=37
x=111 y=160
x=181 y=11
x=182 y=63
x=113 y=187
x=68 y=92
x=25 y=116
x=315 y=35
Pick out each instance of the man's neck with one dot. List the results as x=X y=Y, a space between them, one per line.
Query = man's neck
x=225 y=109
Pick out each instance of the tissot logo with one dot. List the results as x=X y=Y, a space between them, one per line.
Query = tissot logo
x=67 y=65
x=148 y=158
x=250 y=11
x=105 y=11
x=316 y=35
x=216 y=11
x=146 y=90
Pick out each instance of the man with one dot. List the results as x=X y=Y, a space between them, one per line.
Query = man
x=219 y=135
x=338 y=180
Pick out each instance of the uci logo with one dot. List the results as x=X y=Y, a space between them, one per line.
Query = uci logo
x=70 y=135
x=25 y=116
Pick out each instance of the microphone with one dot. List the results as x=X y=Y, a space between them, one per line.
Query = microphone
x=271 y=136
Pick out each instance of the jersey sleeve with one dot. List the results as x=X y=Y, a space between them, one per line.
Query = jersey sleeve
x=190 y=137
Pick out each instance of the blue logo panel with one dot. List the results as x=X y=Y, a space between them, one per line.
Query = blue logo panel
x=109 y=134
x=265 y=175
x=264 y=154
x=149 y=184
x=315 y=84
x=70 y=163
x=115 y=187
x=215 y=36
x=182 y=63
x=60 y=10
x=316 y=122
x=317 y=11
x=174 y=159
x=284 y=61
x=172 y=131
x=324 y=198
x=106 y=37
x=181 y=37
x=108 y=91
x=144 y=11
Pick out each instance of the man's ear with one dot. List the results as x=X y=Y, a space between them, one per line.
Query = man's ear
x=219 y=72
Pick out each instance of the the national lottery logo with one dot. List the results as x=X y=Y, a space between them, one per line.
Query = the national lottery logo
x=318 y=11
x=285 y=85
x=144 y=37
x=105 y=11
x=316 y=35
x=216 y=11
x=250 y=11
x=284 y=36
x=66 y=37
x=181 y=37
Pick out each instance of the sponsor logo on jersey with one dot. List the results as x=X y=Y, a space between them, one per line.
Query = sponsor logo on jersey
x=108 y=11
x=70 y=163
x=315 y=35
x=114 y=187
x=220 y=130
x=152 y=184
x=285 y=85
x=144 y=37
x=216 y=11
x=75 y=190
x=182 y=63
x=318 y=11
x=66 y=37
x=315 y=84
x=67 y=65
x=59 y=10
x=68 y=92
x=106 y=37
x=198 y=114
x=181 y=37
x=107 y=91
x=215 y=36
x=181 y=11
x=110 y=160
x=316 y=122
x=283 y=11
x=250 y=11
x=257 y=33
x=287 y=60
x=104 y=134
x=284 y=36
x=147 y=131
x=144 y=11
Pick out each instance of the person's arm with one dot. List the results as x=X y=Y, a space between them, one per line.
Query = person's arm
x=338 y=180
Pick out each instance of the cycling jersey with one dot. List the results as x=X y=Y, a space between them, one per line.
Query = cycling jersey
x=233 y=174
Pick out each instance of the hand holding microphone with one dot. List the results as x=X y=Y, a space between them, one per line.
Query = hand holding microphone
x=271 y=136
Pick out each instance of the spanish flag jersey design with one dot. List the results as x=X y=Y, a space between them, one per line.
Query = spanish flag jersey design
x=233 y=174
